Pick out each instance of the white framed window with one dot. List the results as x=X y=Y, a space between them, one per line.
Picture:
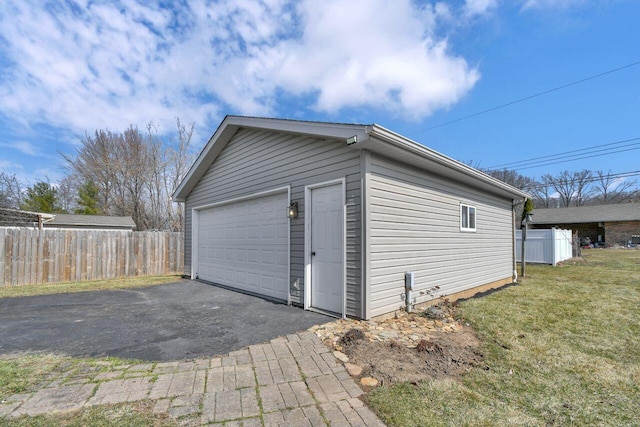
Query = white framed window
x=467 y=218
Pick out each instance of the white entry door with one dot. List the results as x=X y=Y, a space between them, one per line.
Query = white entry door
x=327 y=251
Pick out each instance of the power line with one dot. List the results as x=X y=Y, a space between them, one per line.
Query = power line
x=572 y=155
x=597 y=148
x=576 y=158
x=526 y=98
x=629 y=174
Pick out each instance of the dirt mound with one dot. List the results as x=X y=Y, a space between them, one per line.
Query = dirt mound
x=408 y=347
x=443 y=355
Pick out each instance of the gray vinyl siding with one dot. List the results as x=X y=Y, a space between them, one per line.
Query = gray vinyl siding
x=415 y=226
x=255 y=161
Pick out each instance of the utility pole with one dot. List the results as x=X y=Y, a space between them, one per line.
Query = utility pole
x=525 y=227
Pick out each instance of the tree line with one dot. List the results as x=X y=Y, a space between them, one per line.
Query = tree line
x=130 y=173
x=572 y=188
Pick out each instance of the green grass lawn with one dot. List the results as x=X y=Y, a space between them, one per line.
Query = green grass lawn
x=561 y=348
x=93 y=285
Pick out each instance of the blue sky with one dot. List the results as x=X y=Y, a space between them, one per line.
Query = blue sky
x=74 y=66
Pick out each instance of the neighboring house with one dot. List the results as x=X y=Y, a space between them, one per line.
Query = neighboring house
x=371 y=206
x=611 y=224
x=92 y=222
x=17 y=218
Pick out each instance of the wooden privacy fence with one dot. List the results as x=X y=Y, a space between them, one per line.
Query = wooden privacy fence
x=30 y=256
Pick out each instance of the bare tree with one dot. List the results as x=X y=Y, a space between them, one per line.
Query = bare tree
x=67 y=191
x=180 y=159
x=582 y=180
x=611 y=189
x=513 y=178
x=565 y=187
x=135 y=174
x=156 y=215
x=543 y=191
x=10 y=191
x=572 y=187
x=96 y=161
x=170 y=164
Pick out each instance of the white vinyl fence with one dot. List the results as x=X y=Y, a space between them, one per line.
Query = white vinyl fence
x=545 y=246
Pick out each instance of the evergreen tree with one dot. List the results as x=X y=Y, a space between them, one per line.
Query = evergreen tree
x=88 y=199
x=528 y=208
x=42 y=197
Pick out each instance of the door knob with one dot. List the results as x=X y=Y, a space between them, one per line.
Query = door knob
x=313 y=253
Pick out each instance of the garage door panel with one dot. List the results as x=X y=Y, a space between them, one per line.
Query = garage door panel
x=281 y=258
x=253 y=256
x=253 y=280
x=245 y=245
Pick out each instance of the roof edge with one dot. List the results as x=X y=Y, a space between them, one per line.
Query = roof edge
x=229 y=126
x=42 y=214
x=389 y=136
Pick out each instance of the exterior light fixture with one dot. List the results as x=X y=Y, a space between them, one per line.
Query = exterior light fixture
x=292 y=210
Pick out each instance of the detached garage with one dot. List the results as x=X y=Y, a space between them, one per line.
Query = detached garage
x=331 y=216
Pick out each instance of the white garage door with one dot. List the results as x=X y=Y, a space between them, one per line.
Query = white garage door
x=245 y=245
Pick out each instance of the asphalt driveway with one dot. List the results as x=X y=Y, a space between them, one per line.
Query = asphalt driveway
x=168 y=322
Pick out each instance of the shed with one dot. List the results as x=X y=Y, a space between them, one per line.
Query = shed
x=371 y=204
x=612 y=224
x=20 y=218
x=91 y=222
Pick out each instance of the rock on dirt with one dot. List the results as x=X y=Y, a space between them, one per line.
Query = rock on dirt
x=444 y=355
x=353 y=370
x=409 y=348
x=369 y=382
x=341 y=356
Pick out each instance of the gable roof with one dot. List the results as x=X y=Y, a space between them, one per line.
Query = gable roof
x=91 y=221
x=371 y=137
x=582 y=214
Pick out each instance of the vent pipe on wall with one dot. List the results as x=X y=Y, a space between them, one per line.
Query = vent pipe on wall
x=409 y=282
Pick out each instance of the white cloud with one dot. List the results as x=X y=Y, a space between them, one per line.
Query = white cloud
x=479 y=7
x=25 y=147
x=86 y=65
x=29 y=176
x=550 y=4
x=90 y=69
x=373 y=53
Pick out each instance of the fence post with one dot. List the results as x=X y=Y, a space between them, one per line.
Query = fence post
x=553 y=247
x=523 y=258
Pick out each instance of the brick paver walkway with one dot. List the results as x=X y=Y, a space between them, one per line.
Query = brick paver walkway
x=292 y=380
